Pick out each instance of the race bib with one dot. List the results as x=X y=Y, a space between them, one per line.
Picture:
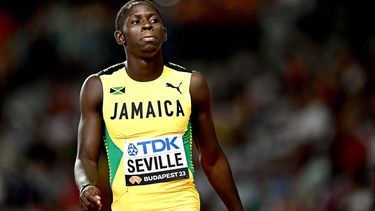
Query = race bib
x=156 y=160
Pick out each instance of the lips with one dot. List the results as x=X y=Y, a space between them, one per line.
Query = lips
x=148 y=38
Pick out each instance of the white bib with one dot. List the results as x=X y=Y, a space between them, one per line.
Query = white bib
x=155 y=160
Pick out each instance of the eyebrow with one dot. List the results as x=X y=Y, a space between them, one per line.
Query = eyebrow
x=137 y=15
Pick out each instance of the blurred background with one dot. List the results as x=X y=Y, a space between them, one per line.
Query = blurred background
x=294 y=104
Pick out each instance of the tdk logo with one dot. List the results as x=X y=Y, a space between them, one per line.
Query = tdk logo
x=132 y=150
x=158 y=145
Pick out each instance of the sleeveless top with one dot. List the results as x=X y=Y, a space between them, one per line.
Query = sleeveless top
x=148 y=135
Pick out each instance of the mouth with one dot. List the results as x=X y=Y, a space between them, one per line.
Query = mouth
x=148 y=38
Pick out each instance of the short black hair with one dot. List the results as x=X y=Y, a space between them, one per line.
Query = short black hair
x=124 y=9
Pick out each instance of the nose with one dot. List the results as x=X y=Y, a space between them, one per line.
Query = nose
x=147 y=26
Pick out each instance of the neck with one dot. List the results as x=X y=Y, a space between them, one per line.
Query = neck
x=144 y=69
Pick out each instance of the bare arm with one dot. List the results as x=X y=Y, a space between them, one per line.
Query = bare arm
x=212 y=158
x=90 y=133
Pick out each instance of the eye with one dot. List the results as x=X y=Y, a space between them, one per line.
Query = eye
x=135 y=22
x=154 y=20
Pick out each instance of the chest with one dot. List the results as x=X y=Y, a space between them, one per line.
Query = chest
x=134 y=110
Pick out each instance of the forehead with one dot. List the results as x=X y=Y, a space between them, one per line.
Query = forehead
x=141 y=8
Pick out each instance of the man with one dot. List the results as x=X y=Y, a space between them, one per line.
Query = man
x=148 y=112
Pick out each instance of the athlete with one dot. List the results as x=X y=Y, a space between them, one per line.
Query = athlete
x=149 y=113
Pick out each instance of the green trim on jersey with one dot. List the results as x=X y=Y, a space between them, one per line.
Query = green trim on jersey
x=188 y=146
x=114 y=155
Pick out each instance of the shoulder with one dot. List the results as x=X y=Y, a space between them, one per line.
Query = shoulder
x=111 y=69
x=198 y=80
x=91 y=91
x=199 y=89
x=92 y=82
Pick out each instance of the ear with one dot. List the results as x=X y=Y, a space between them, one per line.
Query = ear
x=120 y=38
x=165 y=34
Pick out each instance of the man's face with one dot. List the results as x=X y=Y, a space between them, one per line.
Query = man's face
x=143 y=30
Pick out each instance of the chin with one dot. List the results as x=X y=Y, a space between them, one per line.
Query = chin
x=149 y=55
x=150 y=52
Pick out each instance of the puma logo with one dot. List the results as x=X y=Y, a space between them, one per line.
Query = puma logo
x=175 y=87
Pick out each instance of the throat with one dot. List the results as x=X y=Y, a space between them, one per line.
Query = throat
x=145 y=76
x=144 y=72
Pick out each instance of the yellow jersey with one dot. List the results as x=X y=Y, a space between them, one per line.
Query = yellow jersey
x=148 y=139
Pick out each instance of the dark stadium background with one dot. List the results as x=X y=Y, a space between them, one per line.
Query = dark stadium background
x=292 y=86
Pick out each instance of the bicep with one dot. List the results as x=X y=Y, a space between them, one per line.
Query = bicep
x=90 y=129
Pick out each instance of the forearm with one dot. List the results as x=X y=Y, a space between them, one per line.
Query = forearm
x=220 y=176
x=85 y=172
